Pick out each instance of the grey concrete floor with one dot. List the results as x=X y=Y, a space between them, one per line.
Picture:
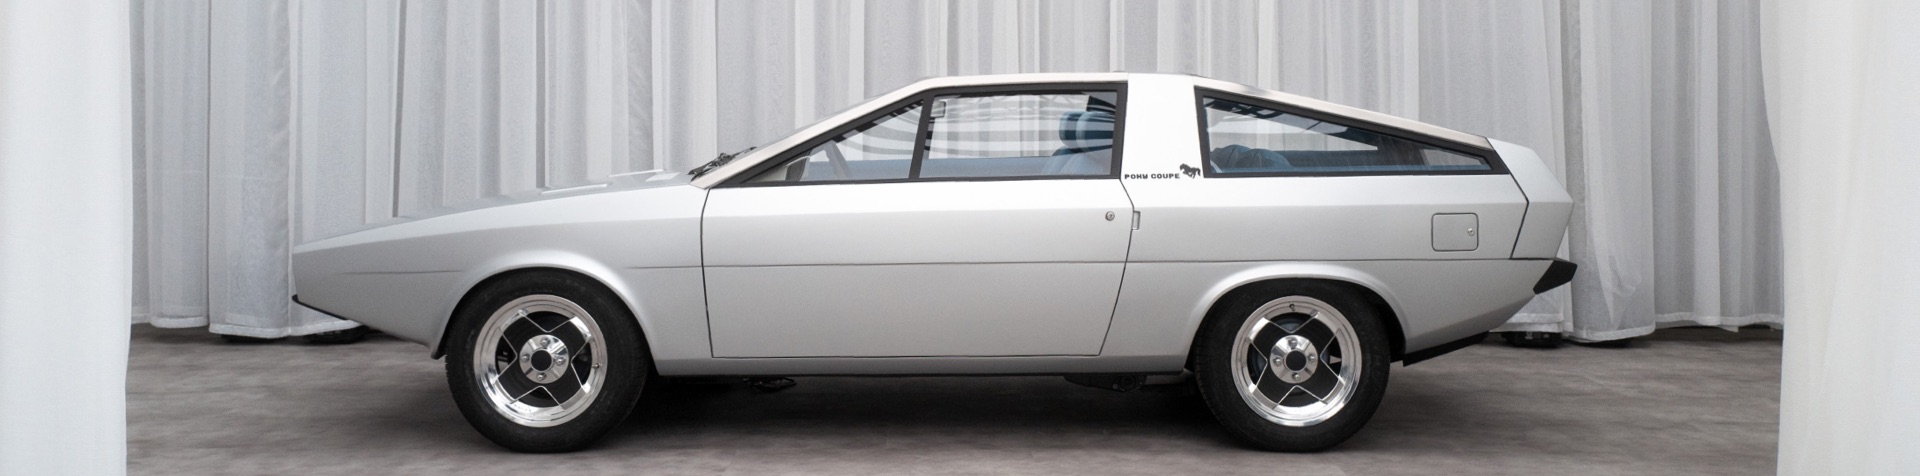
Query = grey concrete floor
x=1683 y=401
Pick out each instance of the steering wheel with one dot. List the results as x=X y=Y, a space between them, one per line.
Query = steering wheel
x=839 y=161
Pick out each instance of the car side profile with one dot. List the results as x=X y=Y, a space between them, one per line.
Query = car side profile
x=1102 y=226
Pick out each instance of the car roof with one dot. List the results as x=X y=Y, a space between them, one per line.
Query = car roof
x=749 y=159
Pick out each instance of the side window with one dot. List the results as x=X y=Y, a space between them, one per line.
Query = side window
x=1248 y=139
x=1021 y=135
x=881 y=150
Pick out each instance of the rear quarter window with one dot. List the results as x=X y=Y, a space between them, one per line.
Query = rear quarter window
x=1242 y=138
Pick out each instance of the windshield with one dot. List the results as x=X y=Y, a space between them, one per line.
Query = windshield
x=724 y=158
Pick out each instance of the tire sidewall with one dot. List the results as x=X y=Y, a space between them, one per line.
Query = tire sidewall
x=628 y=363
x=1213 y=350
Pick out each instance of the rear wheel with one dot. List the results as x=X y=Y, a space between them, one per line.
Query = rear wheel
x=544 y=362
x=1292 y=366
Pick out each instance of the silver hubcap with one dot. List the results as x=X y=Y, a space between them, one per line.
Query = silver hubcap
x=539 y=360
x=1298 y=361
x=1294 y=359
x=543 y=359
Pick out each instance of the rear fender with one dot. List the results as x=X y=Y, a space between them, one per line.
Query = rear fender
x=1301 y=270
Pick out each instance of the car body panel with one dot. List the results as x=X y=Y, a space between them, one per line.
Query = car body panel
x=1319 y=218
x=1027 y=221
x=406 y=278
x=1025 y=276
x=912 y=310
x=1163 y=304
x=1548 y=204
x=1028 y=267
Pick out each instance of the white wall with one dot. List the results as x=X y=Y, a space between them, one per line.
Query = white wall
x=65 y=235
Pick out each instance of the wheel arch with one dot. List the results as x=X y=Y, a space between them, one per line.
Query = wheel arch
x=1363 y=285
x=587 y=270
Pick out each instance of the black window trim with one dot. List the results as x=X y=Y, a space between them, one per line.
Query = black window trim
x=1200 y=96
x=924 y=101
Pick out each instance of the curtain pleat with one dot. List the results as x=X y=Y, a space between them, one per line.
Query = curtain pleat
x=170 y=164
x=267 y=124
x=249 y=156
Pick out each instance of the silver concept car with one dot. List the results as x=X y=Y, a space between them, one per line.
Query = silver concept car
x=1101 y=226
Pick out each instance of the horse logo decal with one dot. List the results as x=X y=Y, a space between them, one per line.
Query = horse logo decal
x=1190 y=171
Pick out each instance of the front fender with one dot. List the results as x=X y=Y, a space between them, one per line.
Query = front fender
x=408 y=278
x=524 y=260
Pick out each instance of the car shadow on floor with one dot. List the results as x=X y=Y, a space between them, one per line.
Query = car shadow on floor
x=976 y=412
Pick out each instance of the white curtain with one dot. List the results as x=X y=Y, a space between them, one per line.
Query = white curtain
x=1841 y=79
x=1662 y=133
x=65 y=232
x=271 y=123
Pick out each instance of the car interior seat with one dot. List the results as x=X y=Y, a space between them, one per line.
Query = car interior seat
x=1239 y=157
x=1088 y=144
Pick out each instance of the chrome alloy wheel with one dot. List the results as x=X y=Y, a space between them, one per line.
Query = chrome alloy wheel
x=539 y=360
x=1296 y=361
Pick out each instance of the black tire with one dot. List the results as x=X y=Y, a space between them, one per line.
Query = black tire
x=627 y=363
x=1534 y=340
x=1214 y=359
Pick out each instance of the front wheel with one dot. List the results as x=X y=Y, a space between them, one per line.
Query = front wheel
x=1292 y=366
x=543 y=362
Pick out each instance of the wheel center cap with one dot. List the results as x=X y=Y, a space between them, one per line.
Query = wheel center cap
x=1295 y=359
x=543 y=359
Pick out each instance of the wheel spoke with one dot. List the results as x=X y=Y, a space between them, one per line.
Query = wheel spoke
x=1274 y=388
x=519 y=332
x=1322 y=383
x=571 y=335
x=523 y=396
x=1292 y=392
x=514 y=384
x=1298 y=396
x=1265 y=334
x=564 y=388
x=547 y=321
x=1315 y=329
x=541 y=397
